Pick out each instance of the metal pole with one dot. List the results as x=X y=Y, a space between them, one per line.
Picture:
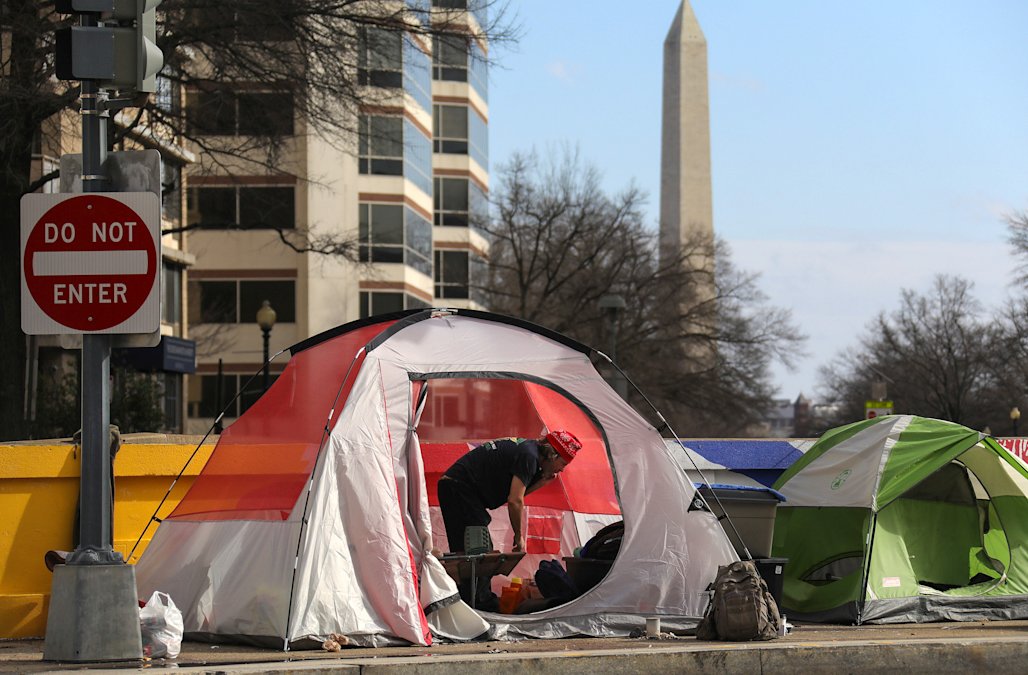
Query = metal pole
x=93 y=613
x=267 y=366
x=95 y=498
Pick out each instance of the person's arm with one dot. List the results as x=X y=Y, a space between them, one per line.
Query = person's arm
x=516 y=511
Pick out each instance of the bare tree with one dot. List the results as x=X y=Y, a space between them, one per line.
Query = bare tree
x=309 y=56
x=697 y=340
x=1017 y=237
x=941 y=352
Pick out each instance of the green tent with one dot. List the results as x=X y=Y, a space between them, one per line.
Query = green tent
x=904 y=519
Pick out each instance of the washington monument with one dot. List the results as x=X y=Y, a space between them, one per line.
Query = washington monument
x=686 y=214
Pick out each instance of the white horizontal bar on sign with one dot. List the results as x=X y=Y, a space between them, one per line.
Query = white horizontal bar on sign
x=88 y=263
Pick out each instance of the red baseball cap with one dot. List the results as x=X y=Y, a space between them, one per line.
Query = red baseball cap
x=564 y=443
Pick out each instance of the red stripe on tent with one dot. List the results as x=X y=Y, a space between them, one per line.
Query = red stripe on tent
x=543 y=534
x=264 y=459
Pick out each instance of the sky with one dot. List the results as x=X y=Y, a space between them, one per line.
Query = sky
x=857 y=149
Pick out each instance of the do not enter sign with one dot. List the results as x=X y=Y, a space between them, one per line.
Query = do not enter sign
x=90 y=263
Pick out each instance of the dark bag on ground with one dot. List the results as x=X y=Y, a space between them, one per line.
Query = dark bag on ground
x=741 y=608
x=554 y=582
x=606 y=543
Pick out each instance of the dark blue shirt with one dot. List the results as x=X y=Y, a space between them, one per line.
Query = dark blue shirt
x=489 y=468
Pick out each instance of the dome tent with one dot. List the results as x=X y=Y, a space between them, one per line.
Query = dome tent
x=904 y=519
x=312 y=514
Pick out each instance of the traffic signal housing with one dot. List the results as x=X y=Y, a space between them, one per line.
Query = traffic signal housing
x=120 y=52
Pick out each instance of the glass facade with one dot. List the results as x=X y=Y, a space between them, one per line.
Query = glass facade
x=451 y=201
x=419 y=241
x=380 y=61
x=451 y=274
x=417 y=73
x=478 y=139
x=380 y=145
x=450 y=129
x=393 y=233
x=478 y=71
x=417 y=158
x=459 y=202
x=458 y=130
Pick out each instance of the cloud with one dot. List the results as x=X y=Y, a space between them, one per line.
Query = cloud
x=564 y=71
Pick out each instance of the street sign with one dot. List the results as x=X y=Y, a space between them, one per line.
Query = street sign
x=873 y=409
x=91 y=263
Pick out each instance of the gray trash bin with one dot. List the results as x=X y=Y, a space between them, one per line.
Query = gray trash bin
x=752 y=512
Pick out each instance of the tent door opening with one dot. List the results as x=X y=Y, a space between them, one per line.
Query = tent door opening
x=460 y=412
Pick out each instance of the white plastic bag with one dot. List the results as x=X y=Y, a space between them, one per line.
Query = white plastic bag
x=160 y=624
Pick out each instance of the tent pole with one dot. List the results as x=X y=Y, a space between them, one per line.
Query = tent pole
x=216 y=425
x=870 y=539
x=717 y=499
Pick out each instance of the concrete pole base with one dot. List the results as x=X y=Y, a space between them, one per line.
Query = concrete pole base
x=94 y=614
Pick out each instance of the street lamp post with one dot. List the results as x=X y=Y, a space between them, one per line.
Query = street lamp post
x=1015 y=417
x=266 y=320
x=611 y=305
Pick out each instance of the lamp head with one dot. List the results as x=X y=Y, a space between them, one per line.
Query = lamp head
x=266 y=316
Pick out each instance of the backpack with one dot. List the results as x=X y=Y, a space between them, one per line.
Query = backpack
x=554 y=582
x=606 y=543
x=741 y=608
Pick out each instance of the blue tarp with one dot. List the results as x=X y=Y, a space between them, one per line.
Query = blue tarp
x=762 y=460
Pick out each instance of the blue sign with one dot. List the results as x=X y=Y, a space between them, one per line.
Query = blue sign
x=171 y=355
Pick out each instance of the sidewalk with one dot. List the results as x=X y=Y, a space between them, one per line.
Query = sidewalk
x=980 y=647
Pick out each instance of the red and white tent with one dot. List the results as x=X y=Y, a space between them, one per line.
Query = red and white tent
x=316 y=511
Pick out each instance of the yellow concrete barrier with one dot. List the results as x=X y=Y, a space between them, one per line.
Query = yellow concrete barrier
x=39 y=488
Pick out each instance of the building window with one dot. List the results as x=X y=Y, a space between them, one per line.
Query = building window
x=166 y=97
x=243 y=207
x=204 y=400
x=225 y=23
x=237 y=301
x=451 y=201
x=385 y=302
x=450 y=123
x=171 y=305
x=381 y=145
x=450 y=4
x=381 y=233
x=450 y=59
x=171 y=385
x=220 y=112
x=266 y=26
x=451 y=274
x=393 y=233
x=171 y=191
x=265 y=113
x=380 y=58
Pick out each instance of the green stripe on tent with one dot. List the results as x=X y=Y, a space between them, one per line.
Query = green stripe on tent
x=922 y=448
x=991 y=443
x=828 y=441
